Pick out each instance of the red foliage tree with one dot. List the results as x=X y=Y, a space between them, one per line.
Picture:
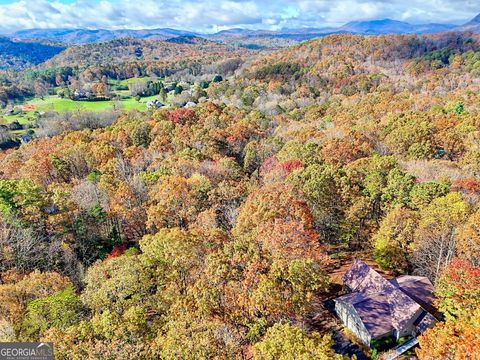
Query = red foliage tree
x=458 y=288
x=290 y=165
x=117 y=251
x=182 y=116
x=466 y=185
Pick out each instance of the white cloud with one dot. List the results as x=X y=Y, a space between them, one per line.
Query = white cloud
x=209 y=15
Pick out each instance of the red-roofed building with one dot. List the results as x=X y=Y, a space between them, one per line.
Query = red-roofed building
x=377 y=308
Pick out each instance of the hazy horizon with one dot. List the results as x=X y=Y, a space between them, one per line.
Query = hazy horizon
x=211 y=16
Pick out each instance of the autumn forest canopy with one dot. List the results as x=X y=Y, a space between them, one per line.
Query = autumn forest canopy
x=215 y=225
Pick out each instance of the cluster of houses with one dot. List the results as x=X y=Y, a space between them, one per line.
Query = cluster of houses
x=375 y=308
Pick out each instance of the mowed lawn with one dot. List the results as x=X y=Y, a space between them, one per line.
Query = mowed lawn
x=54 y=103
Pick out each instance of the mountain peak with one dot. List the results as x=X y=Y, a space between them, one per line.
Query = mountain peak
x=475 y=20
x=472 y=25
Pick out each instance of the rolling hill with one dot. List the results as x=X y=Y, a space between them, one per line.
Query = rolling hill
x=20 y=55
x=349 y=64
x=128 y=50
x=83 y=36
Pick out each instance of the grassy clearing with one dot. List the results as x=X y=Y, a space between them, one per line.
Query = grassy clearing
x=54 y=103
x=127 y=82
x=24 y=118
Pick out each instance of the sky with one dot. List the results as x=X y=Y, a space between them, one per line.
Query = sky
x=214 y=15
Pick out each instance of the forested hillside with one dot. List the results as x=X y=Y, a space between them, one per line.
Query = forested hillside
x=123 y=50
x=213 y=232
x=21 y=55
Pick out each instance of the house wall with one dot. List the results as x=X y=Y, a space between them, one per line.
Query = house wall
x=409 y=328
x=352 y=321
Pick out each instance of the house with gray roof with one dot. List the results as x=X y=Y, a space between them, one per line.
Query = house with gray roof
x=154 y=104
x=376 y=308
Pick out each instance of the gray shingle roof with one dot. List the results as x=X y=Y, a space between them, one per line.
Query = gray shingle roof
x=419 y=288
x=385 y=305
x=373 y=310
x=424 y=322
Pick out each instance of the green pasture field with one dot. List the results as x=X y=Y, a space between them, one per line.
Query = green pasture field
x=127 y=82
x=54 y=103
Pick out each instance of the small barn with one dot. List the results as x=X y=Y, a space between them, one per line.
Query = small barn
x=375 y=307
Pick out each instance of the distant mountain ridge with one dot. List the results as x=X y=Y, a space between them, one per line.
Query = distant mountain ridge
x=367 y=27
x=83 y=36
x=389 y=26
